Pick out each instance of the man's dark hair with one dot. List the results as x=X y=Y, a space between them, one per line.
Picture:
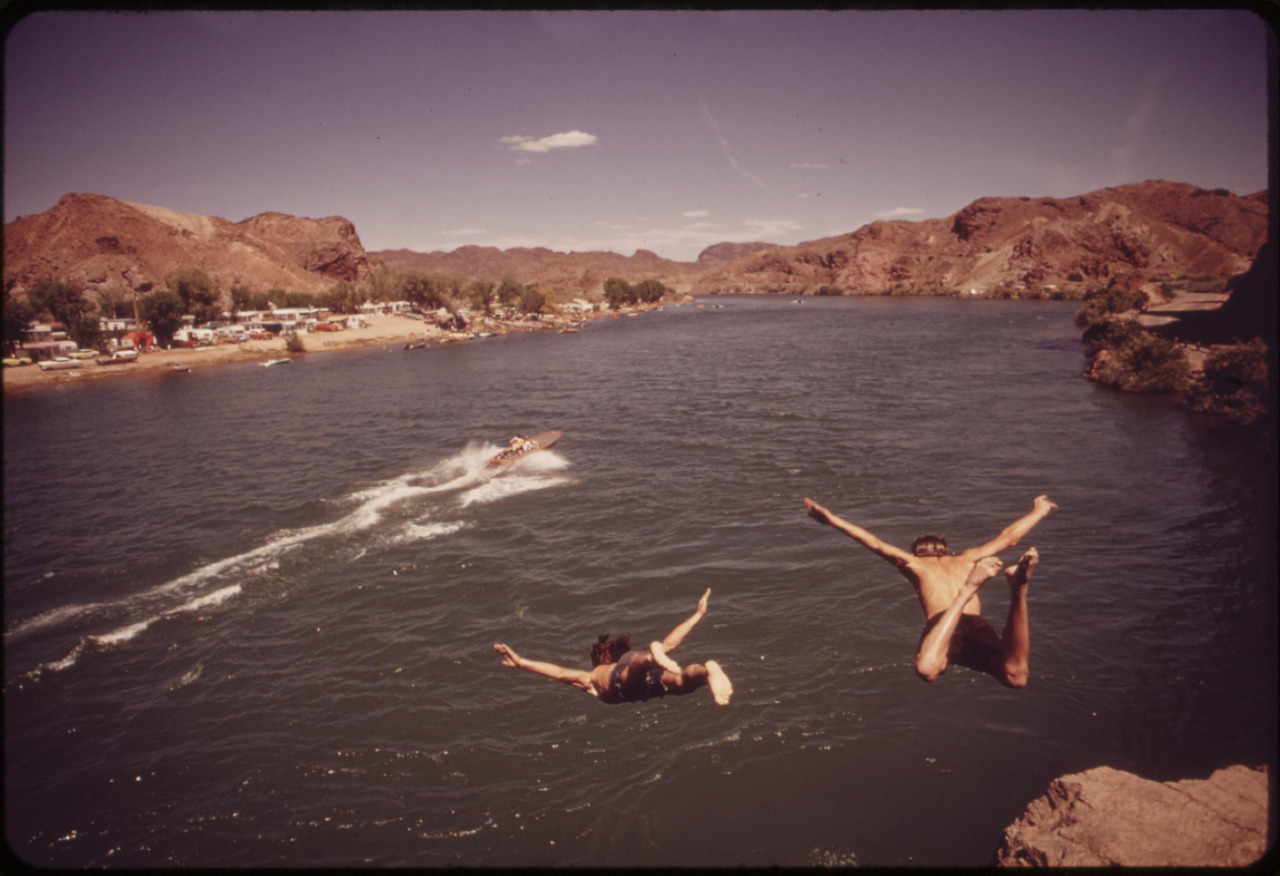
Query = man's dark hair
x=605 y=651
x=930 y=546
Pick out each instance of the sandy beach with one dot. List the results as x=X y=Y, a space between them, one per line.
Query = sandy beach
x=380 y=329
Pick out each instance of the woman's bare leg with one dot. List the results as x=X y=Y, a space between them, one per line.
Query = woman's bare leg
x=676 y=636
x=576 y=677
x=931 y=655
x=1015 y=644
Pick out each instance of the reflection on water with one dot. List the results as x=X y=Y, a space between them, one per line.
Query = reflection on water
x=249 y=617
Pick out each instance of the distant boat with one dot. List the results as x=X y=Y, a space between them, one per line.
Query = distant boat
x=415 y=345
x=271 y=362
x=181 y=369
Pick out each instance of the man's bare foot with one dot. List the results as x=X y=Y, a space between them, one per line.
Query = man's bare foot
x=817 y=512
x=721 y=689
x=1019 y=575
x=702 y=603
x=660 y=657
x=982 y=572
x=509 y=657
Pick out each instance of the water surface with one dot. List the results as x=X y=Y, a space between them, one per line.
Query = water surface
x=249 y=612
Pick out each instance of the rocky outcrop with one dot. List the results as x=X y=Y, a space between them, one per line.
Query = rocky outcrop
x=1146 y=233
x=727 y=252
x=97 y=242
x=1107 y=817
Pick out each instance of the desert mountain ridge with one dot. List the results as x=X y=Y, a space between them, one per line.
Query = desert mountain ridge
x=1143 y=233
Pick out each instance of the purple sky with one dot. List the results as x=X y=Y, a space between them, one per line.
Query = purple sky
x=668 y=131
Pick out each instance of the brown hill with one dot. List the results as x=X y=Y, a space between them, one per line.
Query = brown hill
x=95 y=241
x=577 y=273
x=727 y=252
x=1148 y=232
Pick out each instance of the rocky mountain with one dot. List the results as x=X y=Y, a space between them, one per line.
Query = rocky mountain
x=577 y=273
x=1146 y=232
x=1142 y=234
x=727 y=252
x=94 y=241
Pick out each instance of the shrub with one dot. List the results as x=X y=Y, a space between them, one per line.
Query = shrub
x=1128 y=358
x=293 y=343
x=1234 y=383
x=1101 y=304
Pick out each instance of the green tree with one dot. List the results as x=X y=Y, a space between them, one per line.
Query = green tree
x=299 y=299
x=649 y=291
x=61 y=301
x=1101 y=304
x=277 y=296
x=18 y=314
x=482 y=293
x=241 y=298
x=259 y=300
x=618 y=292
x=510 y=292
x=198 y=293
x=534 y=299
x=382 y=285
x=162 y=311
x=1127 y=357
x=341 y=297
x=115 y=301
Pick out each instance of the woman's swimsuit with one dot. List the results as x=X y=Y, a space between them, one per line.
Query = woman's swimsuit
x=653 y=686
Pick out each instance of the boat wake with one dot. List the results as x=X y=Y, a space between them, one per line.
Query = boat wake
x=400 y=511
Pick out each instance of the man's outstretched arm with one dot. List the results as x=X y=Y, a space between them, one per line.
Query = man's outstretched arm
x=895 y=555
x=1014 y=532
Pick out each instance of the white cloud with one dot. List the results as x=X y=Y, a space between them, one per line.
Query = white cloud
x=566 y=140
x=898 y=211
x=465 y=232
x=695 y=214
x=807 y=166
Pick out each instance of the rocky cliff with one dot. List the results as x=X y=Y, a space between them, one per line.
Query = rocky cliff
x=1105 y=817
x=94 y=241
x=1149 y=232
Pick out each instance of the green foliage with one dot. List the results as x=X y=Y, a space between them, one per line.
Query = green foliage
x=62 y=302
x=277 y=296
x=341 y=297
x=482 y=294
x=18 y=314
x=618 y=292
x=1128 y=358
x=1234 y=383
x=509 y=292
x=162 y=311
x=115 y=301
x=259 y=300
x=241 y=298
x=381 y=286
x=649 y=291
x=1101 y=304
x=293 y=343
x=200 y=296
x=535 y=299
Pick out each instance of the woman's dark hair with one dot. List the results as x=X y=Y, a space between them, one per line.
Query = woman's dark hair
x=930 y=546
x=605 y=651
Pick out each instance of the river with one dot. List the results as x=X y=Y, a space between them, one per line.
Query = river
x=249 y=612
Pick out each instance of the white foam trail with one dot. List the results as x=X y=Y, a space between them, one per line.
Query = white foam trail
x=422 y=532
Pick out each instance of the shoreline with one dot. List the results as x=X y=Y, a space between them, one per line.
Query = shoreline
x=381 y=329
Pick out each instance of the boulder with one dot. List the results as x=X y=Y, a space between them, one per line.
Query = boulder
x=1108 y=817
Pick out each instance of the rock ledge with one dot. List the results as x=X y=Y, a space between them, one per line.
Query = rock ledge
x=1107 y=817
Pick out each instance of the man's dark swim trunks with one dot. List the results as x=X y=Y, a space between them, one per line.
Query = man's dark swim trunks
x=652 y=687
x=974 y=644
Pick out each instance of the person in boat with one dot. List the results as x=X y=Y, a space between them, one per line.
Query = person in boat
x=947 y=585
x=622 y=675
